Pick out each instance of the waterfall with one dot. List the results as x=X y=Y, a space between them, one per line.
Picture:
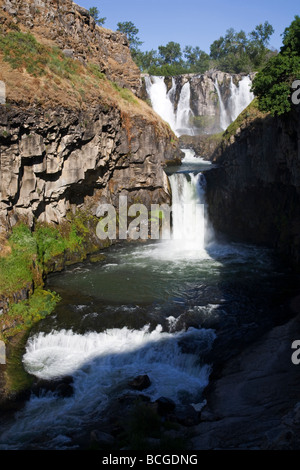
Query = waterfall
x=184 y=112
x=163 y=102
x=240 y=96
x=161 y=99
x=224 y=118
x=190 y=229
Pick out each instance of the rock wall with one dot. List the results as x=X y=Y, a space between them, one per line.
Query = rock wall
x=254 y=194
x=53 y=161
x=73 y=30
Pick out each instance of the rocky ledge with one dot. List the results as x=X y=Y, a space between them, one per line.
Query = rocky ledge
x=254 y=401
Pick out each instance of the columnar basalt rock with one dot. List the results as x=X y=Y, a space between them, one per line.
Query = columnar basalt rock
x=54 y=161
x=254 y=193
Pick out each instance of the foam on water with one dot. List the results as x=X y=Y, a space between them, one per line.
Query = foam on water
x=101 y=365
x=190 y=157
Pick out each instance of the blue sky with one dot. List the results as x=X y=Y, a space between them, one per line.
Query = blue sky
x=194 y=22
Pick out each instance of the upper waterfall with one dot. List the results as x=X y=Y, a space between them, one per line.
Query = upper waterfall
x=199 y=104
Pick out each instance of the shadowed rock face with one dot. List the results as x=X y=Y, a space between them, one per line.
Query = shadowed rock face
x=254 y=404
x=254 y=195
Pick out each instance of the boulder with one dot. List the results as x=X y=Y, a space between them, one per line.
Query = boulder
x=140 y=382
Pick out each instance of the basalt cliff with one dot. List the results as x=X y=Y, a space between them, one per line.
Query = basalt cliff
x=254 y=193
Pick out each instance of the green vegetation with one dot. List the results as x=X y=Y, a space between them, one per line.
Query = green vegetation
x=131 y=31
x=126 y=94
x=94 y=12
x=28 y=252
x=22 y=51
x=235 y=52
x=251 y=112
x=95 y=70
x=17 y=380
x=25 y=258
x=16 y=268
x=272 y=85
x=40 y=304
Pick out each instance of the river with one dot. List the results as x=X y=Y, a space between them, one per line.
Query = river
x=168 y=308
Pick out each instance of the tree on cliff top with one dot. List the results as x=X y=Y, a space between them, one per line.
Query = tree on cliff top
x=272 y=85
x=236 y=52
x=94 y=12
x=131 y=31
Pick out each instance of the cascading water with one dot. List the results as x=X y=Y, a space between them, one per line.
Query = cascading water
x=163 y=100
x=224 y=118
x=184 y=112
x=101 y=365
x=241 y=96
x=189 y=229
x=160 y=99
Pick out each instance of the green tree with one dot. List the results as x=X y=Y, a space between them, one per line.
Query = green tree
x=94 y=12
x=291 y=38
x=272 y=85
x=147 y=60
x=261 y=34
x=196 y=59
x=171 y=53
x=131 y=31
x=236 y=52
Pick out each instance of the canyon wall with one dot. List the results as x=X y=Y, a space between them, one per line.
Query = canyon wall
x=254 y=193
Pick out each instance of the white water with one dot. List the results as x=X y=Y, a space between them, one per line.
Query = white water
x=180 y=121
x=184 y=112
x=161 y=99
x=241 y=96
x=101 y=365
x=163 y=103
x=190 y=157
x=188 y=210
x=224 y=117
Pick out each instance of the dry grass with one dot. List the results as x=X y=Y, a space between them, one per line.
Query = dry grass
x=48 y=84
x=5 y=248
